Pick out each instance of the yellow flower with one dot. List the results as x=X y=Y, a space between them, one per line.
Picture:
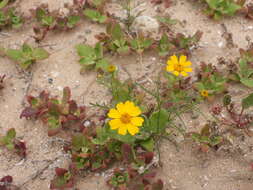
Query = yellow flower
x=179 y=67
x=204 y=93
x=125 y=118
x=111 y=68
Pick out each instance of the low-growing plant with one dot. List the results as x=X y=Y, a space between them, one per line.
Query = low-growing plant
x=211 y=81
x=6 y=183
x=131 y=179
x=244 y=73
x=115 y=40
x=56 y=113
x=12 y=143
x=219 y=8
x=47 y=21
x=25 y=56
x=95 y=15
x=207 y=138
x=237 y=117
x=92 y=58
x=10 y=18
x=64 y=179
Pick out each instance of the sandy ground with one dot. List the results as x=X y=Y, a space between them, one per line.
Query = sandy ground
x=183 y=168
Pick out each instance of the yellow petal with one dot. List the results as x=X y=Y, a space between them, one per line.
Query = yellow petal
x=183 y=73
x=137 y=121
x=186 y=64
x=170 y=68
x=131 y=109
x=132 y=129
x=188 y=69
x=122 y=130
x=182 y=59
x=174 y=59
x=115 y=124
x=169 y=62
x=176 y=73
x=120 y=107
x=113 y=113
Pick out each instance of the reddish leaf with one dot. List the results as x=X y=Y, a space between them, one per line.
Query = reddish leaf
x=60 y=171
x=28 y=113
x=7 y=179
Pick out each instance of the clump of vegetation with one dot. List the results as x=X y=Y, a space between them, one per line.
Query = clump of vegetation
x=56 y=113
x=92 y=58
x=63 y=180
x=6 y=183
x=244 y=68
x=25 y=56
x=12 y=143
x=9 y=16
x=131 y=179
x=211 y=81
x=207 y=138
x=219 y=8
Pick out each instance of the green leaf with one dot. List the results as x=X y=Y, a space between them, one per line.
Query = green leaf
x=148 y=144
x=40 y=54
x=11 y=134
x=10 y=146
x=79 y=141
x=102 y=64
x=73 y=20
x=16 y=55
x=85 y=50
x=3 y=3
x=95 y=15
x=248 y=101
x=158 y=121
x=247 y=82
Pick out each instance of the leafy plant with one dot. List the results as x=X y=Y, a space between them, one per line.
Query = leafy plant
x=164 y=46
x=140 y=44
x=6 y=183
x=115 y=39
x=210 y=80
x=12 y=143
x=9 y=18
x=92 y=58
x=244 y=73
x=47 y=21
x=206 y=138
x=236 y=117
x=130 y=179
x=26 y=56
x=56 y=113
x=94 y=15
x=219 y=8
x=64 y=179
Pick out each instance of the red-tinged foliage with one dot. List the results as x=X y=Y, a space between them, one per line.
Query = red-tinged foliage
x=12 y=143
x=64 y=179
x=56 y=114
x=131 y=179
x=20 y=148
x=6 y=183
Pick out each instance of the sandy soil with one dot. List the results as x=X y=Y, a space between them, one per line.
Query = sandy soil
x=183 y=168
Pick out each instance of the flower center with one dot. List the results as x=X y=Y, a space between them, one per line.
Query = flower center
x=179 y=67
x=125 y=118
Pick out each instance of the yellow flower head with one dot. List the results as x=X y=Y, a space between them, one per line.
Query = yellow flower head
x=111 y=68
x=125 y=118
x=179 y=67
x=204 y=93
